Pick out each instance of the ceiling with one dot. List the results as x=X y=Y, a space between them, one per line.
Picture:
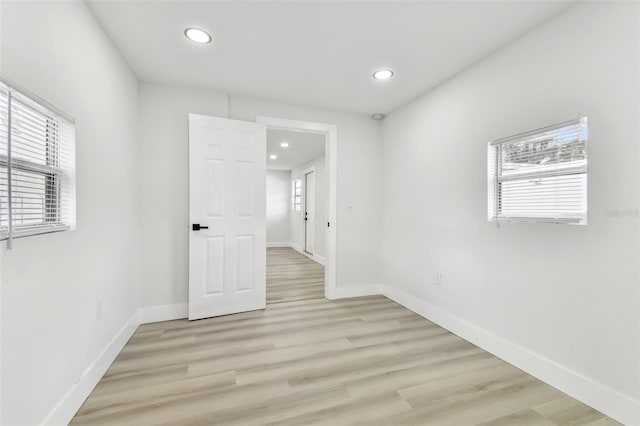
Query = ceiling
x=303 y=147
x=315 y=53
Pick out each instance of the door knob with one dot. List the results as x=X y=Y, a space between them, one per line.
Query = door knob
x=197 y=227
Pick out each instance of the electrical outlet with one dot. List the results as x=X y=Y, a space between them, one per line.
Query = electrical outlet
x=438 y=279
x=99 y=309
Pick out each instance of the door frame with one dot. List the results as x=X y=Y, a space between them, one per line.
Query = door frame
x=330 y=131
x=311 y=169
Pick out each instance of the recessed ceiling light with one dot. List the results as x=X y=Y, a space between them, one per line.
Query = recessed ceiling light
x=285 y=144
x=273 y=156
x=383 y=74
x=197 y=35
x=377 y=116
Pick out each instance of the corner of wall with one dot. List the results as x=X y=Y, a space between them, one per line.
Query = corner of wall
x=71 y=402
x=73 y=399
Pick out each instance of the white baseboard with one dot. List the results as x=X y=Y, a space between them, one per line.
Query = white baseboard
x=67 y=407
x=163 y=313
x=314 y=257
x=357 y=290
x=278 y=244
x=612 y=403
x=609 y=401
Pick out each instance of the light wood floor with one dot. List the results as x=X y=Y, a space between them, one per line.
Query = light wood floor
x=319 y=362
x=292 y=276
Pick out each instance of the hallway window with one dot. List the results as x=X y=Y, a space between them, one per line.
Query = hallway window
x=296 y=195
x=37 y=166
x=540 y=176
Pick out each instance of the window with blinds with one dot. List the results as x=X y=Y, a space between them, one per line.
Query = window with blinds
x=540 y=176
x=296 y=195
x=37 y=166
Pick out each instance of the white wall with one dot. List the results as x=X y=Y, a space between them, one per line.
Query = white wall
x=51 y=283
x=297 y=218
x=568 y=294
x=164 y=179
x=278 y=206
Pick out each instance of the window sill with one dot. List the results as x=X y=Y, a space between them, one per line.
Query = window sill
x=34 y=230
x=558 y=220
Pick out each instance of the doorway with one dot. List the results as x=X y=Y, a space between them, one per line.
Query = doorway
x=227 y=220
x=309 y=212
x=302 y=205
x=294 y=214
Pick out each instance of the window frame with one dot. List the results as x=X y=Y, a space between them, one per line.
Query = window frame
x=296 y=199
x=496 y=177
x=52 y=172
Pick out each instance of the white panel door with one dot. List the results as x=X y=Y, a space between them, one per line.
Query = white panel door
x=310 y=212
x=227 y=202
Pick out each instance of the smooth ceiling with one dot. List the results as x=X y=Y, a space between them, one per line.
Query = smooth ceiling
x=303 y=147
x=315 y=53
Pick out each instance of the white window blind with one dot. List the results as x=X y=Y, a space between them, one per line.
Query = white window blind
x=540 y=176
x=37 y=166
x=296 y=195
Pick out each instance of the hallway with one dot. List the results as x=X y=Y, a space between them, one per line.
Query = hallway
x=292 y=276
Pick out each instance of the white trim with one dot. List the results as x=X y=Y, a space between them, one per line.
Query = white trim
x=71 y=402
x=601 y=397
x=35 y=98
x=269 y=244
x=149 y=314
x=331 y=183
x=314 y=257
x=356 y=290
x=29 y=231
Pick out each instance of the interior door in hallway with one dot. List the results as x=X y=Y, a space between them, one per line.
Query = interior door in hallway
x=309 y=212
x=227 y=213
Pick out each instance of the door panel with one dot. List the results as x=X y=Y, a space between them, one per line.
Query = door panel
x=227 y=181
x=245 y=245
x=214 y=265
x=215 y=183
x=244 y=188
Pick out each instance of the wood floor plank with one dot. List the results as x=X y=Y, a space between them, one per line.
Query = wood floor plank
x=526 y=417
x=363 y=412
x=568 y=411
x=276 y=408
x=305 y=360
x=292 y=276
